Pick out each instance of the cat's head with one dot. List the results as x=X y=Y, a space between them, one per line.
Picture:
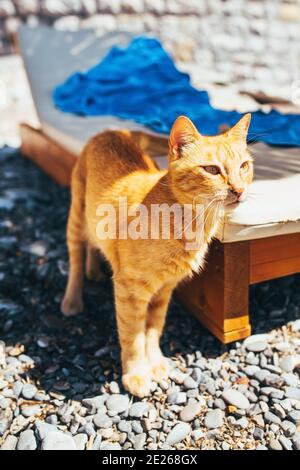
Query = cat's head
x=204 y=168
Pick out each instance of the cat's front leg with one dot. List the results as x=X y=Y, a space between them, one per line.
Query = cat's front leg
x=157 y=310
x=131 y=308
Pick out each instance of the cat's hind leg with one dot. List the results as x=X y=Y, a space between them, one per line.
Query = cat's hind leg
x=92 y=265
x=157 y=310
x=72 y=303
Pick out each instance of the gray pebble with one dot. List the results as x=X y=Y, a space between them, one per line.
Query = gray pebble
x=139 y=441
x=55 y=440
x=31 y=410
x=138 y=409
x=117 y=403
x=290 y=379
x=189 y=383
x=27 y=440
x=274 y=444
x=80 y=441
x=190 y=411
x=197 y=375
x=177 y=376
x=28 y=391
x=95 y=402
x=137 y=427
x=292 y=392
x=124 y=426
x=177 y=398
x=271 y=418
x=43 y=428
x=261 y=447
x=257 y=346
x=235 y=398
x=287 y=364
x=17 y=388
x=106 y=445
x=10 y=443
x=179 y=432
x=242 y=423
x=102 y=421
x=286 y=443
x=219 y=403
x=288 y=428
x=294 y=416
x=258 y=434
x=214 y=419
x=114 y=387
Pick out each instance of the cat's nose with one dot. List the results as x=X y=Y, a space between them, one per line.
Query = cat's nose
x=237 y=192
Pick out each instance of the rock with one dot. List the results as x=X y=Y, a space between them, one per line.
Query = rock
x=258 y=434
x=55 y=440
x=287 y=364
x=137 y=427
x=274 y=444
x=17 y=388
x=257 y=346
x=177 y=398
x=177 y=376
x=219 y=403
x=95 y=402
x=235 y=398
x=139 y=441
x=124 y=426
x=106 y=445
x=295 y=325
x=101 y=420
x=271 y=418
x=138 y=409
x=285 y=442
x=28 y=391
x=179 y=432
x=214 y=419
x=290 y=379
x=114 y=387
x=190 y=411
x=189 y=383
x=28 y=411
x=43 y=428
x=259 y=338
x=117 y=403
x=80 y=441
x=27 y=441
x=294 y=416
x=288 y=428
x=242 y=423
x=197 y=375
x=296 y=441
x=292 y=392
x=10 y=443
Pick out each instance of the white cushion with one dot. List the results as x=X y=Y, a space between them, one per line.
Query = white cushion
x=273 y=205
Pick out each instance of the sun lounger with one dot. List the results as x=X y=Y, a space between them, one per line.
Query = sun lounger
x=260 y=239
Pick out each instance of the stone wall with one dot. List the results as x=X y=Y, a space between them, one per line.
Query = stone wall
x=254 y=44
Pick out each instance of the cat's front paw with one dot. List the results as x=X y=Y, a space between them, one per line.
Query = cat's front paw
x=137 y=384
x=70 y=307
x=159 y=368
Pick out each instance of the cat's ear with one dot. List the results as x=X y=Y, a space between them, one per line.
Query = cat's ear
x=240 y=129
x=182 y=134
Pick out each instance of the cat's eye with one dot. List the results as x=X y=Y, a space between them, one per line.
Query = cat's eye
x=245 y=166
x=212 y=169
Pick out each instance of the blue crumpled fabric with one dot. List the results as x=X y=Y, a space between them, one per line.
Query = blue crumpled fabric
x=141 y=82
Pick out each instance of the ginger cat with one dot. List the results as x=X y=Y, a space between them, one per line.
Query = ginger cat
x=214 y=171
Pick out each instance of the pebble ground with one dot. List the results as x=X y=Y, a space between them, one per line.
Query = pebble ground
x=60 y=384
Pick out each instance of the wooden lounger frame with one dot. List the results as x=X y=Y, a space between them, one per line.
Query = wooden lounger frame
x=218 y=297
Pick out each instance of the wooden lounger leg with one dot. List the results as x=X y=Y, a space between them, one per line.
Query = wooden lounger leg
x=219 y=296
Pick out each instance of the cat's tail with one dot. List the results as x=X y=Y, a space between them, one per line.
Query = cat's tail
x=153 y=145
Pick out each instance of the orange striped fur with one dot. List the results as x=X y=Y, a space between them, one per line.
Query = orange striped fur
x=212 y=171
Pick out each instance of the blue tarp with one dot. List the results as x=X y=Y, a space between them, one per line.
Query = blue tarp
x=141 y=82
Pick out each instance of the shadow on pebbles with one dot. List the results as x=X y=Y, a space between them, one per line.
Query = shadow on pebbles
x=60 y=384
